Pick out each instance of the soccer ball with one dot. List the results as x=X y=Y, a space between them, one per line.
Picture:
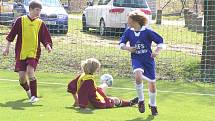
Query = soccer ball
x=106 y=78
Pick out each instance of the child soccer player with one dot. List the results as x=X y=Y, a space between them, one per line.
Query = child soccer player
x=85 y=92
x=142 y=56
x=31 y=31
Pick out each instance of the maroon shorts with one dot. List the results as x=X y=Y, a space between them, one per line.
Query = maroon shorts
x=21 y=65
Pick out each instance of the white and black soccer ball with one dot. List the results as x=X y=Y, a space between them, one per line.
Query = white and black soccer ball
x=106 y=78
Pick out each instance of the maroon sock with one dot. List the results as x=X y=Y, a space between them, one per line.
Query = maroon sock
x=25 y=86
x=124 y=103
x=33 y=87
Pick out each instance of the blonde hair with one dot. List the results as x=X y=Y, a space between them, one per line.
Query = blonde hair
x=90 y=65
x=139 y=17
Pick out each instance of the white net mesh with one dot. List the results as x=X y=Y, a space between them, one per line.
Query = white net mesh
x=186 y=26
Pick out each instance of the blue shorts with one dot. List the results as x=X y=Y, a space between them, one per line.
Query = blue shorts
x=148 y=68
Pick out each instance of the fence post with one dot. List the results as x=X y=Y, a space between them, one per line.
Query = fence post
x=208 y=51
x=199 y=26
x=189 y=19
x=159 y=17
x=186 y=10
x=194 y=22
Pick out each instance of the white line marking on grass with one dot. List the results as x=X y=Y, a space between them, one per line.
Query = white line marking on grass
x=120 y=88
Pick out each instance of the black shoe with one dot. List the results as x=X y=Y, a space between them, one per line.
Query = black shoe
x=154 y=110
x=141 y=106
x=134 y=101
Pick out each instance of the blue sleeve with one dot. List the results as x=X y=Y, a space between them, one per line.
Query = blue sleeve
x=124 y=38
x=155 y=37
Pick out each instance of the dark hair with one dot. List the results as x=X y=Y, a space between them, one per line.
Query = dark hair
x=35 y=4
x=139 y=17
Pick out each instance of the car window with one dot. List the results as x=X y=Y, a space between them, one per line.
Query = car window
x=6 y=2
x=103 y=2
x=130 y=3
x=96 y=2
x=52 y=3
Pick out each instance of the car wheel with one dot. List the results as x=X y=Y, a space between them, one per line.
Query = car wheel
x=84 y=24
x=102 y=28
x=63 y=31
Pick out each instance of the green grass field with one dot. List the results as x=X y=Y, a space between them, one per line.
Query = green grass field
x=183 y=102
x=177 y=100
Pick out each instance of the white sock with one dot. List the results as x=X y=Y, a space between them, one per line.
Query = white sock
x=139 y=88
x=152 y=99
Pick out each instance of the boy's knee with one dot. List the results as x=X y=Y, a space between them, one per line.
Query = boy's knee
x=32 y=78
x=22 y=80
x=138 y=76
x=138 y=79
x=152 y=88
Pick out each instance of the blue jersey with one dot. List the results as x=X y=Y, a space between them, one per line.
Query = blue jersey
x=142 y=41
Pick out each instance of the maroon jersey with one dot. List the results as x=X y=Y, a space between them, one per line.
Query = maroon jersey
x=43 y=37
x=88 y=94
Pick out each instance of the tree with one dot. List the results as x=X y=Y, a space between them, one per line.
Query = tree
x=183 y=3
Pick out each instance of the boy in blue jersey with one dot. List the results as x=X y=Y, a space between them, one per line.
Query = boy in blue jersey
x=142 y=56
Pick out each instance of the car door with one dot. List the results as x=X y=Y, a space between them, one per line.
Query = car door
x=90 y=13
x=6 y=11
x=102 y=11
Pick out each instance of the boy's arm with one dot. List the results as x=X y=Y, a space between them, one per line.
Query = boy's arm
x=156 y=52
x=45 y=37
x=6 y=50
x=72 y=88
x=123 y=40
x=159 y=41
x=14 y=30
x=130 y=49
x=11 y=36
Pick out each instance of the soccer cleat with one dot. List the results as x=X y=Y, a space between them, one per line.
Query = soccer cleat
x=141 y=106
x=134 y=101
x=153 y=110
x=29 y=94
x=33 y=99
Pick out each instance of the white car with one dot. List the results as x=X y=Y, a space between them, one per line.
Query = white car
x=108 y=15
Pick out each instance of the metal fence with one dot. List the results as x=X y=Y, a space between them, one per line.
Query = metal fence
x=187 y=27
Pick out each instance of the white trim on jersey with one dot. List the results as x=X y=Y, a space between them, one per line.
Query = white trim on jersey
x=137 y=34
x=121 y=45
x=161 y=45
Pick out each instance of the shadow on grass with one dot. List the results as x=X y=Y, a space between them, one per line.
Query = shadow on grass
x=149 y=118
x=18 y=104
x=78 y=110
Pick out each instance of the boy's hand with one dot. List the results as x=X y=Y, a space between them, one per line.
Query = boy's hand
x=131 y=49
x=5 y=51
x=154 y=54
x=48 y=47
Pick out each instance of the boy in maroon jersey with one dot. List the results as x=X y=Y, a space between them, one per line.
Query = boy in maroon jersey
x=31 y=31
x=85 y=92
